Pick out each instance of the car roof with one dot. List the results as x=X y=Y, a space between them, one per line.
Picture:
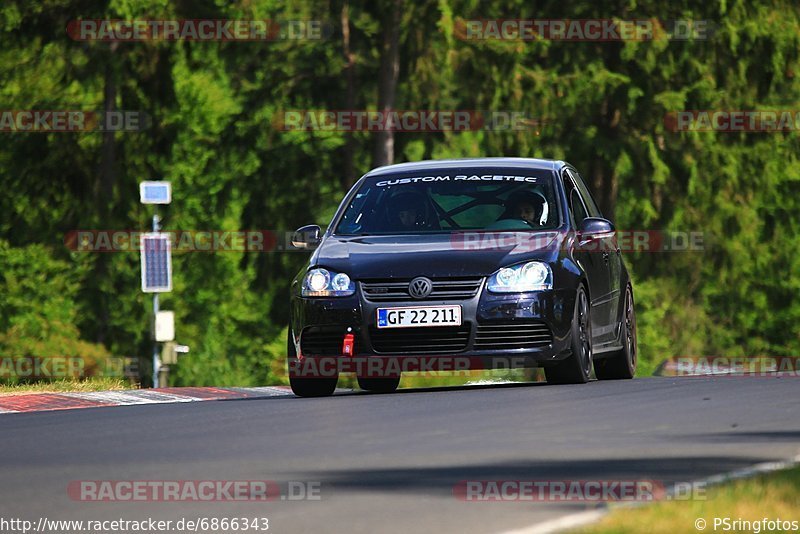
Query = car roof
x=529 y=163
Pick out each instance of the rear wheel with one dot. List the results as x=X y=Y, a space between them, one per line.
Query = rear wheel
x=575 y=369
x=379 y=385
x=622 y=363
x=307 y=386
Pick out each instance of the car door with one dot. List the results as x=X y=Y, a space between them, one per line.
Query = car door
x=613 y=260
x=590 y=260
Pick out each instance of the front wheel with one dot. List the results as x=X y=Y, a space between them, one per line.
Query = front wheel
x=379 y=385
x=575 y=369
x=307 y=386
x=622 y=363
x=313 y=387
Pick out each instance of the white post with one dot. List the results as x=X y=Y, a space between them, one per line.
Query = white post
x=156 y=362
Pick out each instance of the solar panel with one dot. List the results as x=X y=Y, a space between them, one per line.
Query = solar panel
x=156 y=250
x=155 y=192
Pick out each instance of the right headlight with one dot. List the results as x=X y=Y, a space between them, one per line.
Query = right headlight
x=531 y=276
x=324 y=283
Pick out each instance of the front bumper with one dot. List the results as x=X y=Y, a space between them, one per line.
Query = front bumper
x=498 y=331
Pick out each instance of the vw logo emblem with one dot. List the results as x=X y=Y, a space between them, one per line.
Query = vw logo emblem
x=420 y=287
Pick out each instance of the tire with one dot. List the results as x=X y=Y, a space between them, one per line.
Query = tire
x=379 y=385
x=621 y=364
x=576 y=368
x=307 y=386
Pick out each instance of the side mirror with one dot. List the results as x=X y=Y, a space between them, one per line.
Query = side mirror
x=595 y=228
x=307 y=237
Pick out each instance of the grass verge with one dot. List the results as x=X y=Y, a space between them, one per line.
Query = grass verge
x=67 y=385
x=770 y=496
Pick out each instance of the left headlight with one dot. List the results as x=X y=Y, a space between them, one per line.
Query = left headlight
x=325 y=283
x=531 y=276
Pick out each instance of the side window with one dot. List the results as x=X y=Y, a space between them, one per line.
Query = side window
x=577 y=211
x=588 y=200
x=577 y=206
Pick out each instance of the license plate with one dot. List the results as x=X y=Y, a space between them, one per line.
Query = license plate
x=410 y=317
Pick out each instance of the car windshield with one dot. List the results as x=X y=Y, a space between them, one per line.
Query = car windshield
x=452 y=200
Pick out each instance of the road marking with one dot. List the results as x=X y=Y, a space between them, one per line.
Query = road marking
x=120 y=398
x=267 y=391
x=489 y=382
x=753 y=470
x=562 y=523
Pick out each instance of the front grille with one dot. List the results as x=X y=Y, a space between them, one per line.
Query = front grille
x=397 y=290
x=323 y=341
x=512 y=335
x=425 y=340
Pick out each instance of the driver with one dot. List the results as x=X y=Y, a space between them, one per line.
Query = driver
x=527 y=206
x=406 y=211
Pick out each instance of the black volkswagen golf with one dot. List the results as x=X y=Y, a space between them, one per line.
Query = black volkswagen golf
x=455 y=264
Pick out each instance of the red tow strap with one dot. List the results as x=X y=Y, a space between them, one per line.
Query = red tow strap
x=347 y=345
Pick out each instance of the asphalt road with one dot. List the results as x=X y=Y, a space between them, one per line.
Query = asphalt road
x=390 y=462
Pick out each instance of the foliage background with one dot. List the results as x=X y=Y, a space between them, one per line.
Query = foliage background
x=214 y=104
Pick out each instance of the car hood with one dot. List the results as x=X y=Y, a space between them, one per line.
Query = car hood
x=433 y=255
